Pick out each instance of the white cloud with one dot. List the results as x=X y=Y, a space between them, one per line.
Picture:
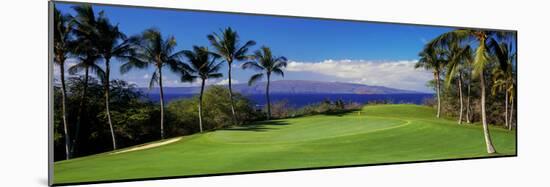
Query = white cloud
x=395 y=74
x=226 y=81
x=146 y=76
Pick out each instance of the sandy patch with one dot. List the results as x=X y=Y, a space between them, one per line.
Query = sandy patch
x=148 y=146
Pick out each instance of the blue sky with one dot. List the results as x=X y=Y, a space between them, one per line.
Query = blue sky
x=326 y=50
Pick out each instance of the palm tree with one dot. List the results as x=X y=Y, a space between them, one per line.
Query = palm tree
x=503 y=79
x=226 y=44
x=467 y=70
x=86 y=52
x=481 y=60
x=203 y=65
x=62 y=47
x=512 y=91
x=111 y=43
x=153 y=49
x=432 y=58
x=457 y=58
x=267 y=63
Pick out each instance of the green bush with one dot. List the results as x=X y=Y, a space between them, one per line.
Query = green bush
x=135 y=120
x=184 y=113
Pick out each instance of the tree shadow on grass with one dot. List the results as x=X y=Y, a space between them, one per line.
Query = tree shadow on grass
x=260 y=126
x=340 y=113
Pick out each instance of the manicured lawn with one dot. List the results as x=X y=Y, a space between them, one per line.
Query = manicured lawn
x=377 y=134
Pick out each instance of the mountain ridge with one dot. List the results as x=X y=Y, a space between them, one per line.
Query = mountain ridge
x=294 y=87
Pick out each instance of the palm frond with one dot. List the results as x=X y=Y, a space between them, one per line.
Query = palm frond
x=241 y=52
x=280 y=62
x=459 y=35
x=480 y=60
x=215 y=41
x=226 y=45
x=255 y=78
x=154 y=80
x=252 y=65
x=215 y=75
x=500 y=51
x=133 y=62
x=76 y=68
x=98 y=71
x=188 y=78
x=214 y=66
x=452 y=71
x=202 y=63
x=278 y=71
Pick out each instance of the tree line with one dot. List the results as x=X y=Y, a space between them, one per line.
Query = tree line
x=468 y=62
x=90 y=38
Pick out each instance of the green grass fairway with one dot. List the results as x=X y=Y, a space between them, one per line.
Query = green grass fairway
x=379 y=134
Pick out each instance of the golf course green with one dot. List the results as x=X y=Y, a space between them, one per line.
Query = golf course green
x=376 y=134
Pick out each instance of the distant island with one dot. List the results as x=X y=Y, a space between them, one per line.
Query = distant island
x=294 y=87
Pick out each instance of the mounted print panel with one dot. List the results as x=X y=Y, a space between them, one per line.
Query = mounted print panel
x=142 y=93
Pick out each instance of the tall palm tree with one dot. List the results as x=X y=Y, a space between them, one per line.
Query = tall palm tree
x=481 y=60
x=468 y=81
x=432 y=58
x=87 y=64
x=503 y=78
x=153 y=49
x=62 y=48
x=203 y=65
x=226 y=44
x=267 y=63
x=457 y=56
x=111 y=43
x=87 y=53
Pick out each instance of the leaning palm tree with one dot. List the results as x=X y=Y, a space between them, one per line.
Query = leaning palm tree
x=458 y=56
x=111 y=43
x=86 y=51
x=202 y=65
x=481 y=61
x=503 y=79
x=432 y=58
x=62 y=47
x=226 y=44
x=153 y=49
x=267 y=63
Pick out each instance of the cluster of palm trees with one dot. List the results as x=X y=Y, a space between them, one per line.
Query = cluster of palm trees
x=91 y=39
x=465 y=54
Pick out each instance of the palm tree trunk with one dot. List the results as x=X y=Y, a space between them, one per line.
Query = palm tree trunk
x=267 y=97
x=231 y=95
x=80 y=108
x=488 y=141
x=200 y=105
x=511 y=115
x=468 y=107
x=63 y=110
x=159 y=68
x=107 y=87
x=461 y=100
x=438 y=96
x=506 y=108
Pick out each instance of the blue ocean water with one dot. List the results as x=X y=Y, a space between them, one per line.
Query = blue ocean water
x=299 y=100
